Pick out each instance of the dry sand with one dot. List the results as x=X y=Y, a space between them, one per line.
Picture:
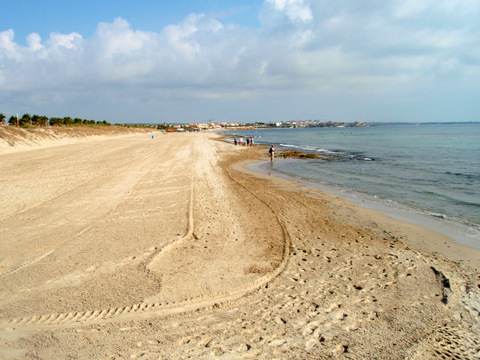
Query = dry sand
x=167 y=248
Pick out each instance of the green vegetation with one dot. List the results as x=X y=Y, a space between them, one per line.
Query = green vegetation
x=165 y=127
x=41 y=121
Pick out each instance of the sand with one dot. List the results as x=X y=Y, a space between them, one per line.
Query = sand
x=167 y=248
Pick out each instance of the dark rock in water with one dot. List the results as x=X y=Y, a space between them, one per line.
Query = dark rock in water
x=305 y=155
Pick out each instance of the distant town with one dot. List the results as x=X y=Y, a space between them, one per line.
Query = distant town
x=264 y=125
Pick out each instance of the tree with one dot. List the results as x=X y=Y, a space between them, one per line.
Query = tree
x=2 y=119
x=77 y=121
x=55 y=121
x=36 y=120
x=25 y=120
x=13 y=120
x=164 y=127
x=43 y=121
x=67 y=120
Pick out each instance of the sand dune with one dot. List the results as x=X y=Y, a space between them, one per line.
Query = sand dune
x=166 y=248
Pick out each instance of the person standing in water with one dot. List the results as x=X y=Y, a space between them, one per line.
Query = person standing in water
x=272 y=153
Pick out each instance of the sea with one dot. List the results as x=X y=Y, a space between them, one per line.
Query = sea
x=427 y=173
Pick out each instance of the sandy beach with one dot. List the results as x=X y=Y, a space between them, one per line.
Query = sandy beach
x=133 y=247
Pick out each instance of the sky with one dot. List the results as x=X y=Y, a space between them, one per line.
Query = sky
x=153 y=61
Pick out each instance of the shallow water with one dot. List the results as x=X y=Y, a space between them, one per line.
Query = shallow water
x=434 y=168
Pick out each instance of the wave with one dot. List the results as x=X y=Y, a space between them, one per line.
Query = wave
x=310 y=148
x=463 y=175
x=466 y=203
x=437 y=215
x=447 y=199
x=353 y=157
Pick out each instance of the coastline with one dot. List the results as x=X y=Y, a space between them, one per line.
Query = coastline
x=426 y=232
x=443 y=184
x=456 y=240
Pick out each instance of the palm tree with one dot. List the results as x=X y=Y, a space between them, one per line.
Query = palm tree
x=67 y=120
x=2 y=119
x=55 y=121
x=13 y=120
x=25 y=120
x=36 y=120
x=43 y=121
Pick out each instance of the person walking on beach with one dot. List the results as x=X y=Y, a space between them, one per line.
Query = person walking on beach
x=235 y=141
x=272 y=153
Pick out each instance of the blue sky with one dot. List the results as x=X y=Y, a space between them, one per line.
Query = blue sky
x=66 y=16
x=227 y=61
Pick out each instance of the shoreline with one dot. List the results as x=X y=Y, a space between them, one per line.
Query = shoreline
x=426 y=232
x=448 y=237
x=441 y=186
x=459 y=232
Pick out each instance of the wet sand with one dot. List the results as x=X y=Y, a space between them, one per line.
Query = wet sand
x=452 y=239
x=132 y=247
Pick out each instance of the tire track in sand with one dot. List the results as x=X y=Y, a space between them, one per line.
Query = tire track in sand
x=147 y=309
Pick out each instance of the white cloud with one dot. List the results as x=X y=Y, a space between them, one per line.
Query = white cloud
x=181 y=37
x=34 y=42
x=303 y=47
x=72 y=41
x=9 y=49
x=409 y=8
x=118 y=39
x=294 y=9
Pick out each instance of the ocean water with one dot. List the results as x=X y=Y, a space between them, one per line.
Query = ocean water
x=432 y=168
